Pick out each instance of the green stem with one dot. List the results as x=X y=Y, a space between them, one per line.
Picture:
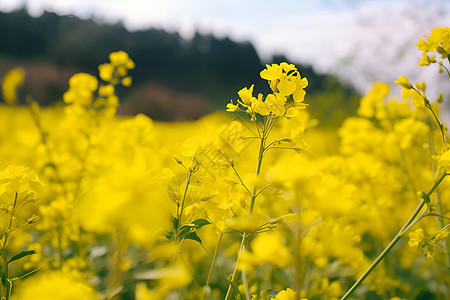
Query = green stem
x=213 y=263
x=258 y=170
x=428 y=105
x=445 y=68
x=235 y=272
x=4 y=275
x=240 y=179
x=10 y=221
x=60 y=249
x=188 y=181
x=6 y=291
x=268 y=125
x=245 y=281
x=438 y=203
x=393 y=242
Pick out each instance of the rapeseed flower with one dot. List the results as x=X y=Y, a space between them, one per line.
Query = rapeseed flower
x=11 y=81
x=81 y=89
x=54 y=285
x=19 y=179
x=116 y=71
x=416 y=238
x=287 y=294
x=285 y=81
x=437 y=40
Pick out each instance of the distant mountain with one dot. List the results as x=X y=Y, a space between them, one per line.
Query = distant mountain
x=204 y=70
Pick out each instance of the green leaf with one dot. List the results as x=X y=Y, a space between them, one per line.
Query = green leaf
x=170 y=235
x=185 y=229
x=175 y=222
x=193 y=236
x=200 y=223
x=21 y=254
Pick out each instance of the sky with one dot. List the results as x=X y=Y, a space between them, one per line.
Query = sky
x=363 y=41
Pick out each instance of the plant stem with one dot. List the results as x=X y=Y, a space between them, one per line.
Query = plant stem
x=10 y=221
x=235 y=272
x=258 y=170
x=269 y=122
x=394 y=240
x=6 y=291
x=188 y=181
x=211 y=269
x=442 y=225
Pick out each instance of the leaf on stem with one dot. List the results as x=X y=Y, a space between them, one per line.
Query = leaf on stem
x=21 y=255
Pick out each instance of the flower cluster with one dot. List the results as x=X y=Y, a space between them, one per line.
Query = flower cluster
x=116 y=71
x=19 y=180
x=85 y=92
x=285 y=81
x=12 y=80
x=437 y=40
x=430 y=245
x=81 y=90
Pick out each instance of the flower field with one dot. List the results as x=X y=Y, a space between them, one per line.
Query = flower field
x=255 y=202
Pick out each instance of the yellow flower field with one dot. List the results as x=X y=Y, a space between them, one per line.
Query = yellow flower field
x=253 y=203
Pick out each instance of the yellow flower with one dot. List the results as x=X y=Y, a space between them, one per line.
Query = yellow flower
x=438 y=40
x=19 y=179
x=81 y=88
x=12 y=80
x=287 y=294
x=416 y=99
x=272 y=72
x=425 y=60
x=285 y=81
x=192 y=146
x=416 y=237
x=106 y=90
x=441 y=235
x=276 y=103
x=169 y=279
x=231 y=107
x=121 y=59
x=260 y=107
x=106 y=72
x=118 y=68
x=54 y=285
x=403 y=82
x=443 y=161
x=246 y=94
x=127 y=81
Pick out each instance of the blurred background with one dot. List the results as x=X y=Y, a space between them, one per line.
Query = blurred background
x=193 y=56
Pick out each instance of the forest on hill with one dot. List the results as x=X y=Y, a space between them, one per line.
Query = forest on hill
x=174 y=78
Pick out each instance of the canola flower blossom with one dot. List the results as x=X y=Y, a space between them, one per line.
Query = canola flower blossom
x=55 y=285
x=285 y=81
x=438 y=40
x=116 y=71
x=11 y=81
x=81 y=89
x=19 y=179
x=287 y=294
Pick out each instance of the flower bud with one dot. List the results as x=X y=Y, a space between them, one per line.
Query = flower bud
x=403 y=82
